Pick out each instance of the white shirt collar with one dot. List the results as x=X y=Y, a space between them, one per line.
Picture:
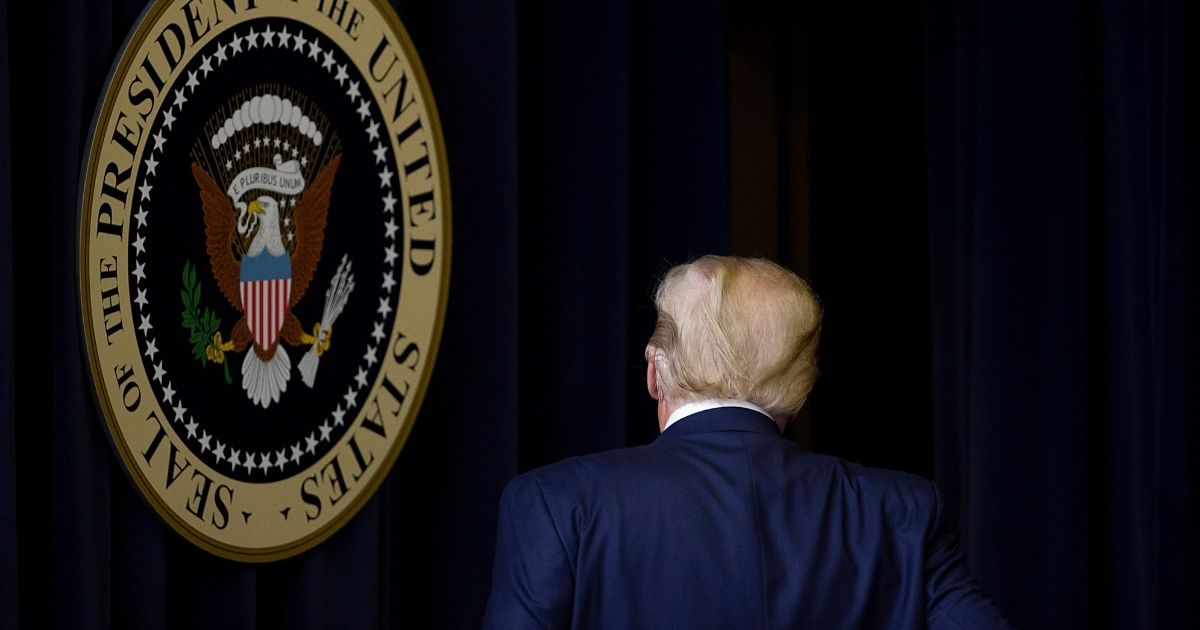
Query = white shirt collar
x=711 y=403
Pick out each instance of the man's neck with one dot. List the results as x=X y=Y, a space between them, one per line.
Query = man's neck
x=664 y=412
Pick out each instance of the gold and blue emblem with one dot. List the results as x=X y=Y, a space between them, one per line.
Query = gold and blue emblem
x=259 y=175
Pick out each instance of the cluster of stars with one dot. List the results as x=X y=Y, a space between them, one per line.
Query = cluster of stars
x=261 y=141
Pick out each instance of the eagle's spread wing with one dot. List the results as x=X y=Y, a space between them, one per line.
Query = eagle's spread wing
x=219 y=222
x=310 y=228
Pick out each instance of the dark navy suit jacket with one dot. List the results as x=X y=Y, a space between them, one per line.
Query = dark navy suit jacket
x=722 y=523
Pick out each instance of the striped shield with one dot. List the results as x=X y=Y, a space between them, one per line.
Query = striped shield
x=266 y=287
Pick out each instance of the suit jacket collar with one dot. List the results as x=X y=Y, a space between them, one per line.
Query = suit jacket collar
x=721 y=419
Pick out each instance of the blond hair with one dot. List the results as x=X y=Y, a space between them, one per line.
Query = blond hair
x=736 y=328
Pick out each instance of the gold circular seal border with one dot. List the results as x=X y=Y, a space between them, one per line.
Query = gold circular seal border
x=135 y=42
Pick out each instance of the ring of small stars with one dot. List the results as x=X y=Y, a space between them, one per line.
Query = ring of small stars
x=230 y=45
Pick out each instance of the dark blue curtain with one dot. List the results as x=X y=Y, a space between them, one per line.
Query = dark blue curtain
x=581 y=143
x=8 y=482
x=1061 y=145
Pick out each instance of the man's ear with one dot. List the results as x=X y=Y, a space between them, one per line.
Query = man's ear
x=652 y=372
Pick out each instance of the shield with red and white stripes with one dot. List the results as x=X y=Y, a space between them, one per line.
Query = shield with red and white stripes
x=266 y=287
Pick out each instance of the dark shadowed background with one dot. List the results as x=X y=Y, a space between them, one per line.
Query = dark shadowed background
x=993 y=199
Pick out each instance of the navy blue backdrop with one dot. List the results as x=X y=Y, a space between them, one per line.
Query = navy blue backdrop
x=1002 y=198
x=1062 y=153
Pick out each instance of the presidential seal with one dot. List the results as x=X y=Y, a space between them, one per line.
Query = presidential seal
x=264 y=253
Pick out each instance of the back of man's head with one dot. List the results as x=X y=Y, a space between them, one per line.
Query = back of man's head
x=736 y=328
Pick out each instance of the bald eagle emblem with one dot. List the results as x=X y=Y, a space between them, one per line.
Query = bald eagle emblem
x=264 y=230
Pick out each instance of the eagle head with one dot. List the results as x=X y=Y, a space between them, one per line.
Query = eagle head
x=265 y=212
x=264 y=205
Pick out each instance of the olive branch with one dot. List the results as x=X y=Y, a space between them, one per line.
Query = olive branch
x=202 y=325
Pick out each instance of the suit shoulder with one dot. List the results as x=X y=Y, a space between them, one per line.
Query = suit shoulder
x=906 y=496
x=885 y=478
x=868 y=478
x=572 y=474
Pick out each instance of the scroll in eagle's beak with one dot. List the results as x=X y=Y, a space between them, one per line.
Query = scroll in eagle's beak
x=254 y=207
